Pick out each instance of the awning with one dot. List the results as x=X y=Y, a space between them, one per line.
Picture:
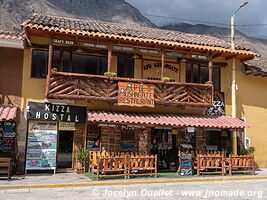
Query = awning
x=8 y=112
x=171 y=120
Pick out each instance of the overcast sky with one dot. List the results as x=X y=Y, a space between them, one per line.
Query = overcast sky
x=255 y=12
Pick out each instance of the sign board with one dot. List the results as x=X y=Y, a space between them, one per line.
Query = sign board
x=218 y=108
x=7 y=136
x=41 y=145
x=66 y=126
x=152 y=70
x=56 y=112
x=190 y=129
x=135 y=94
x=62 y=42
x=185 y=164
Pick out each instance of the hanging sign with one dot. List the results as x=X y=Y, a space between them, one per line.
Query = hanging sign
x=66 y=126
x=56 y=112
x=41 y=145
x=135 y=94
x=152 y=70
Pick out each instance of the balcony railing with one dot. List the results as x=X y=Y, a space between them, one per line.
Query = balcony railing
x=63 y=85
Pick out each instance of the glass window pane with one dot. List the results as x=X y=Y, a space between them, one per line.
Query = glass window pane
x=204 y=74
x=188 y=73
x=216 y=78
x=125 y=67
x=39 y=63
x=196 y=74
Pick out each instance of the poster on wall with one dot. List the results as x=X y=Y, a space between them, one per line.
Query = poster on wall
x=41 y=145
x=152 y=70
x=218 y=108
x=7 y=137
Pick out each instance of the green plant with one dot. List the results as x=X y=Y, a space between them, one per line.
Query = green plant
x=208 y=82
x=166 y=79
x=110 y=74
x=82 y=154
x=248 y=151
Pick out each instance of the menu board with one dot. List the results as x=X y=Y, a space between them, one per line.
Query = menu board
x=185 y=164
x=42 y=145
x=7 y=136
x=93 y=138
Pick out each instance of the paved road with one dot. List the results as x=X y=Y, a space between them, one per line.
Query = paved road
x=226 y=190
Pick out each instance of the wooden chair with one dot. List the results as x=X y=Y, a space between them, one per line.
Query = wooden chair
x=241 y=164
x=111 y=167
x=6 y=167
x=210 y=164
x=142 y=165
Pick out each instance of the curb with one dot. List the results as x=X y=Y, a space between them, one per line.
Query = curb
x=107 y=183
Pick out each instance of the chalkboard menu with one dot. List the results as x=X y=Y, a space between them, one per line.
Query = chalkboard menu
x=7 y=136
x=185 y=164
x=42 y=145
x=93 y=138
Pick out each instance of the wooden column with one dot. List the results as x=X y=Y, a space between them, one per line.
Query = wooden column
x=210 y=67
x=61 y=60
x=162 y=63
x=49 y=66
x=109 y=57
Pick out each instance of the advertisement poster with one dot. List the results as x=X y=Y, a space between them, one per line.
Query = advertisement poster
x=7 y=137
x=42 y=145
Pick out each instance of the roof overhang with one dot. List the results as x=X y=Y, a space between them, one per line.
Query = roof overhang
x=165 y=120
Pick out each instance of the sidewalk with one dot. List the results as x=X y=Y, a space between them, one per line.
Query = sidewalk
x=77 y=180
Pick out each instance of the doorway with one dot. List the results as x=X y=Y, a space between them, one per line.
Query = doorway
x=65 y=147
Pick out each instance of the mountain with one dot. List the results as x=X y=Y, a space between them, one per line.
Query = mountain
x=13 y=12
x=257 y=45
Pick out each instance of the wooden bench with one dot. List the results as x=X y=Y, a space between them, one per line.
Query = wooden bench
x=6 y=167
x=210 y=164
x=111 y=167
x=241 y=164
x=142 y=165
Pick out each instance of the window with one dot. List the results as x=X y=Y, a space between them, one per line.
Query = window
x=39 y=63
x=67 y=61
x=125 y=67
x=196 y=73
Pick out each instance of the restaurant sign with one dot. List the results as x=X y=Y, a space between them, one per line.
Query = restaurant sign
x=56 y=112
x=136 y=94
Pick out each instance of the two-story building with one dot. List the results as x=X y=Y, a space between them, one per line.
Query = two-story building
x=118 y=87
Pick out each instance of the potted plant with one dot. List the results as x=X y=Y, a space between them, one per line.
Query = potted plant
x=166 y=79
x=81 y=158
x=110 y=74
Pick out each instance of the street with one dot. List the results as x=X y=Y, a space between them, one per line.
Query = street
x=248 y=189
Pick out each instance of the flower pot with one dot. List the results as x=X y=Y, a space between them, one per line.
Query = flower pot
x=79 y=166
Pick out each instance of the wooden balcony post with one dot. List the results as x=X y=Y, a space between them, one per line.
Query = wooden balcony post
x=49 y=66
x=162 y=63
x=109 y=57
x=210 y=67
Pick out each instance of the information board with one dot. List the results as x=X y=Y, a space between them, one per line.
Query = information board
x=42 y=145
x=7 y=136
x=185 y=164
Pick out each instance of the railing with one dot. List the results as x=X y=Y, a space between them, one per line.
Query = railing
x=63 y=85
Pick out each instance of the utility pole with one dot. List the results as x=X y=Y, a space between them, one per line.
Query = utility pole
x=234 y=134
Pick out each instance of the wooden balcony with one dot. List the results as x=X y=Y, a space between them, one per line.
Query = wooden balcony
x=63 y=85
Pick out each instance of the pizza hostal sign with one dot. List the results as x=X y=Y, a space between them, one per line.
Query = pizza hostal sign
x=136 y=94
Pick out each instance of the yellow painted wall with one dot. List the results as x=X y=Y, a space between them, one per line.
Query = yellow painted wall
x=251 y=96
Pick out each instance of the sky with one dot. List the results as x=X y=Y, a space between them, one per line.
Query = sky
x=219 y=11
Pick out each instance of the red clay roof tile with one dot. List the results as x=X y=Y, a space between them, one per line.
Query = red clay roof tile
x=8 y=112
x=173 y=120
